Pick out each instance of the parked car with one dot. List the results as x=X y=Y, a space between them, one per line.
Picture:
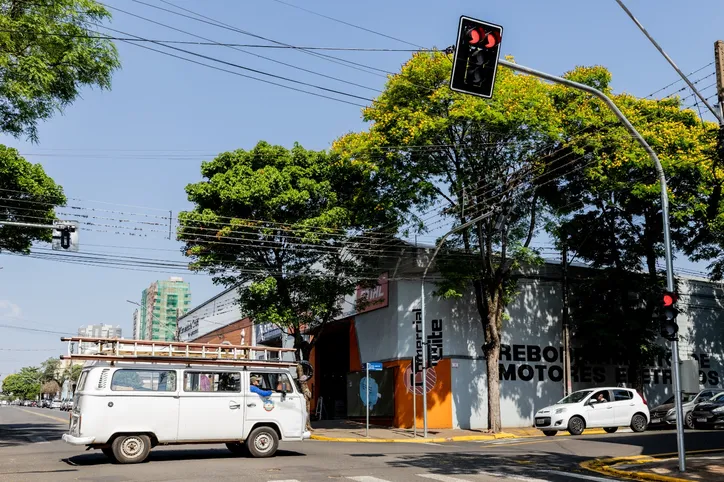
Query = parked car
x=709 y=414
x=664 y=415
x=607 y=408
x=67 y=406
x=44 y=403
x=55 y=404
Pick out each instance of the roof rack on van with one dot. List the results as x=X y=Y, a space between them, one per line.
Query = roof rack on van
x=119 y=349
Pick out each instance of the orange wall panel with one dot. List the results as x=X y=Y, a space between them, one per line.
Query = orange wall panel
x=439 y=398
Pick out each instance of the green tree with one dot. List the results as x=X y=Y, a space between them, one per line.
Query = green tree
x=282 y=224
x=467 y=156
x=50 y=370
x=72 y=373
x=47 y=54
x=25 y=384
x=29 y=196
x=607 y=209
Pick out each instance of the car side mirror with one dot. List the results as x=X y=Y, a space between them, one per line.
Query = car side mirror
x=284 y=394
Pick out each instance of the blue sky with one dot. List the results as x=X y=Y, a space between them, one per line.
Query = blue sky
x=129 y=152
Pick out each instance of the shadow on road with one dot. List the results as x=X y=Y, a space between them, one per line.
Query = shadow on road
x=97 y=458
x=14 y=434
x=662 y=442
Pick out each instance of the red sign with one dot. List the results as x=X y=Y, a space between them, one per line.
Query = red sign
x=375 y=297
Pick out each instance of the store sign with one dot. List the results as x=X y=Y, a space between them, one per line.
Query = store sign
x=433 y=343
x=269 y=331
x=375 y=297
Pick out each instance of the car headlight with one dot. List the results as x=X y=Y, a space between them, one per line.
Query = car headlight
x=718 y=410
x=670 y=412
x=562 y=410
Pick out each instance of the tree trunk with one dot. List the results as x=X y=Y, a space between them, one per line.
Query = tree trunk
x=491 y=350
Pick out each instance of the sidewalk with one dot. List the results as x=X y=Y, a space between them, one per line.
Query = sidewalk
x=348 y=431
x=705 y=468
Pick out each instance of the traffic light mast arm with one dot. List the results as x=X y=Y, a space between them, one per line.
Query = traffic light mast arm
x=637 y=136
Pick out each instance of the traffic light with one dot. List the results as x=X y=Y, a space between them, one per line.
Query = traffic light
x=476 y=57
x=667 y=316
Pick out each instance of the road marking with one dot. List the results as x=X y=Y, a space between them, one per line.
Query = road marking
x=512 y=477
x=367 y=478
x=64 y=420
x=286 y=480
x=442 y=478
x=578 y=476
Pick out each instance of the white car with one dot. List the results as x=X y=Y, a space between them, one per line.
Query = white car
x=55 y=404
x=607 y=408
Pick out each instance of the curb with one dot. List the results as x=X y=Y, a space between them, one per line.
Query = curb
x=461 y=438
x=607 y=467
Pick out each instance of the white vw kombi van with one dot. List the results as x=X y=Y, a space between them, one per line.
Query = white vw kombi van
x=125 y=408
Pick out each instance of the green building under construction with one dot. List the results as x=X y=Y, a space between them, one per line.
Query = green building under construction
x=162 y=304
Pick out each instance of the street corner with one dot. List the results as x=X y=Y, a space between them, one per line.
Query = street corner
x=708 y=467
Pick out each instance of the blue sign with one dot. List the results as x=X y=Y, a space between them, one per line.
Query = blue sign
x=375 y=367
x=374 y=392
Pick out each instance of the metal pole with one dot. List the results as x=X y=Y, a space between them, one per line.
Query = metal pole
x=671 y=62
x=414 y=397
x=367 y=401
x=29 y=225
x=664 y=215
x=566 y=328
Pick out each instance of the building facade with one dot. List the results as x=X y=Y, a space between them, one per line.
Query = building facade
x=137 y=324
x=220 y=311
x=97 y=331
x=162 y=304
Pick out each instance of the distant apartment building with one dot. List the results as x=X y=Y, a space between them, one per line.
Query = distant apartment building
x=137 y=324
x=162 y=304
x=97 y=331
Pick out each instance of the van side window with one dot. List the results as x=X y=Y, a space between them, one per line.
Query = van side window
x=621 y=395
x=144 y=380
x=212 y=381
x=277 y=382
x=81 y=382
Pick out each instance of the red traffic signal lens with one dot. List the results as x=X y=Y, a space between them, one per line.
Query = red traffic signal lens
x=669 y=299
x=491 y=40
x=475 y=35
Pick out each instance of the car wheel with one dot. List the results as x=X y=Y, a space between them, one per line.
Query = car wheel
x=237 y=448
x=262 y=442
x=108 y=452
x=131 y=449
x=550 y=433
x=689 y=420
x=610 y=429
x=638 y=423
x=576 y=425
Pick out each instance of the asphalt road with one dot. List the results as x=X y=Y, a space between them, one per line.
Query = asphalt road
x=31 y=450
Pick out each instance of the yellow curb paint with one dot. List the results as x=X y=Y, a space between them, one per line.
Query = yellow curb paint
x=64 y=420
x=461 y=438
x=608 y=466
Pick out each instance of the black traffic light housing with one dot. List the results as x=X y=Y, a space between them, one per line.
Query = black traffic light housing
x=667 y=316
x=476 y=56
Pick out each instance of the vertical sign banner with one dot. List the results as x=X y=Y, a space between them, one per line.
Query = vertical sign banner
x=434 y=343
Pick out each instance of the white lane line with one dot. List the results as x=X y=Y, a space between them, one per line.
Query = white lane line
x=440 y=477
x=512 y=477
x=577 y=476
x=367 y=478
x=286 y=480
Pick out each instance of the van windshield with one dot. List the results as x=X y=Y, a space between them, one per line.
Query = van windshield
x=575 y=397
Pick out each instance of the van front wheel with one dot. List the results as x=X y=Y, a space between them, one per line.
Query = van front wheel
x=131 y=449
x=108 y=452
x=262 y=442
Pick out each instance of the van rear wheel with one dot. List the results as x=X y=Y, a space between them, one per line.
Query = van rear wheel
x=131 y=449
x=262 y=442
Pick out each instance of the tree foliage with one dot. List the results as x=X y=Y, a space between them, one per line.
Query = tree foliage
x=281 y=224
x=24 y=384
x=606 y=207
x=468 y=157
x=46 y=56
x=30 y=196
x=50 y=369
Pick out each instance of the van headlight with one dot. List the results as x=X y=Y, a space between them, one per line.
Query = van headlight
x=561 y=410
x=718 y=410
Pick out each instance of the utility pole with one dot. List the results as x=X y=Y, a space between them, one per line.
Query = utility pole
x=568 y=388
x=719 y=64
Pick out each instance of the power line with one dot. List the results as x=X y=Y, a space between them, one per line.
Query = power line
x=344 y=23
x=679 y=80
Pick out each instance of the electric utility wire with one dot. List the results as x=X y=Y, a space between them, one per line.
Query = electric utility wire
x=186 y=32
x=679 y=80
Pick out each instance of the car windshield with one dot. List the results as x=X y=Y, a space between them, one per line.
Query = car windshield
x=575 y=397
x=685 y=398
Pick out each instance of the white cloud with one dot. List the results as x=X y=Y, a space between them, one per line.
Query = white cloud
x=9 y=309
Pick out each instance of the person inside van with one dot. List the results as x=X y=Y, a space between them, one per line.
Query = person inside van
x=255 y=388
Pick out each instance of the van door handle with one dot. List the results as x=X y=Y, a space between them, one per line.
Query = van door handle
x=251 y=404
x=234 y=405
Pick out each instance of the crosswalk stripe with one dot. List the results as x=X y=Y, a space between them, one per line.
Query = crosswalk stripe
x=577 y=476
x=440 y=477
x=513 y=477
x=287 y=480
x=367 y=478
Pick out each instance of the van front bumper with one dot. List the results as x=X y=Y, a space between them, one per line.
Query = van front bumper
x=68 y=438
x=306 y=435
